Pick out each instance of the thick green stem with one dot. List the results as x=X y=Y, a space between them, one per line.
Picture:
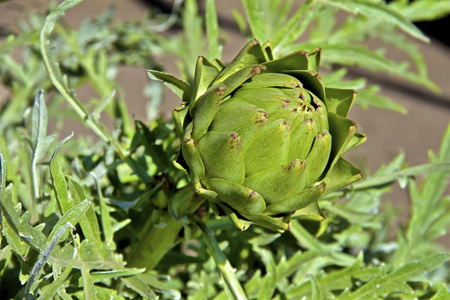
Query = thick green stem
x=232 y=285
x=156 y=240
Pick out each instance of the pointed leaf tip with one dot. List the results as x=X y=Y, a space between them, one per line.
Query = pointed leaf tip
x=182 y=89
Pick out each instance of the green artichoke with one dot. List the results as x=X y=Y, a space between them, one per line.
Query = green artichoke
x=262 y=139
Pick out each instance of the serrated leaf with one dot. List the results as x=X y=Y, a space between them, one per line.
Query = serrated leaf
x=107 y=231
x=102 y=104
x=39 y=143
x=428 y=218
x=423 y=10
x=255 y=19
x=60 y=187
x=444 y=149
x=295 y=26
x=63 y=294
x=316 y=292
x=154 y=282
x=352 y=214
x=2 y=171
x=395 y=280
x=270 y=279
x=139 y=287
x=379 y=10
x=90 y=257
x=335 y=280
x=89 y=222
x=50 y=291
x=59 y=259
x=356 y=55
x=240 y=20
x=12 y=42
x=442 y=294
x=56 y=76
x=369 y=97
x=72 y=217
x=53 y=288
x=98 y=276
x=107 y=293
x=58 y=180
x=411 y=49
x=21 y=231
x=381 y=180
x=16 y=244
x=39 y=120
x=88 y=284
x=312 y=244
x=50 y=63
x=298 y=259
x=212 y=31
x=178 y=86
x=31 y=285
x=193 y=41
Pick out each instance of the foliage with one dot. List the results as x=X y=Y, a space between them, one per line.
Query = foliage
x=80 y=216
x=345 y=42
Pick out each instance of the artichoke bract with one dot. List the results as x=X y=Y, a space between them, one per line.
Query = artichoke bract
x=262 y=139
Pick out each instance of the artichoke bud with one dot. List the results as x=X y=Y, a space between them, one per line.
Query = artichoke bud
x=262 y=138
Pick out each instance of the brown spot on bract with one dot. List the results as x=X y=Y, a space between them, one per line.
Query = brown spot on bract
x=308 y=121
x=220 y=90
x=303 y=107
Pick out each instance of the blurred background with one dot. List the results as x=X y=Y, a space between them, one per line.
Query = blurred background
x=420 y=129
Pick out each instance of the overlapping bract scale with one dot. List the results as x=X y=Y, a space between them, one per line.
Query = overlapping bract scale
x=261 y=138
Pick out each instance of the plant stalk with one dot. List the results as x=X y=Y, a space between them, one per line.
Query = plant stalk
x=156 y=240
x=232 y=284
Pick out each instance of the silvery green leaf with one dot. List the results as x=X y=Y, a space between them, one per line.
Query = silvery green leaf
x=379 y=10
x=2 y=171
x=102 y=104
x=317 y=292
x=88 y=285
x=105 y=216
x=72 y=217
x=396 y=280
x=21 y=230
x=58 y=180
x=39 y=118
x=139 y=287
x=52 y=289
x=89 y=223
x=255 y=18
x=423 y=10
x=212 y=31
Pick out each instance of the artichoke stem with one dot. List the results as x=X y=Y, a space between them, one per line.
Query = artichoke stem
x=155 y=242
x=229 y=274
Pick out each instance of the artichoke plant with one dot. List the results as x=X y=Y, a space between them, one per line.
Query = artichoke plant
x=262 y=139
